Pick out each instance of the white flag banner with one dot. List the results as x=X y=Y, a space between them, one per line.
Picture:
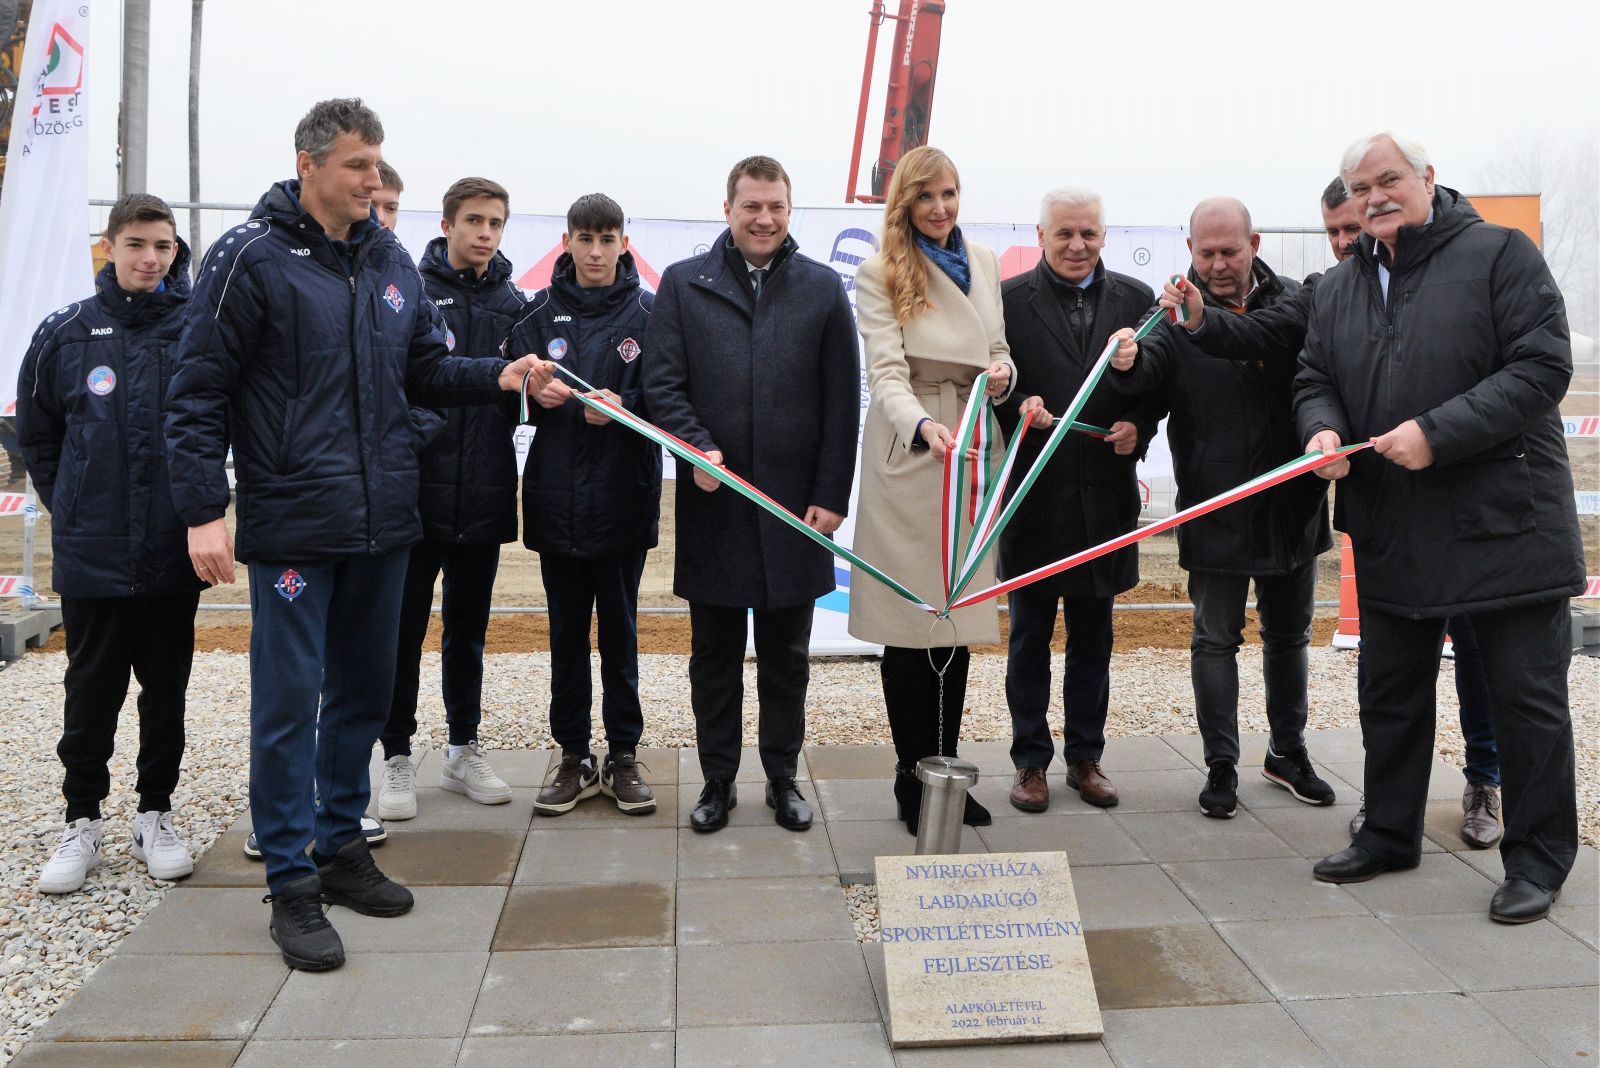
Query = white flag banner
x=44 y=205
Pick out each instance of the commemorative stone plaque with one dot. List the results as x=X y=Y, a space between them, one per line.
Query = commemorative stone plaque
x=981 y=948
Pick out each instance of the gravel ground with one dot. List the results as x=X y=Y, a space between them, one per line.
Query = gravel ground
x=50 y=945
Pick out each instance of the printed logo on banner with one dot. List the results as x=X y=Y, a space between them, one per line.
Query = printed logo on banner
x=1586 y=427
x=629 y=350
x=557 y=348
x=1588 y=502
x=392 y=297
x=101 y=380
x=58 y=89
x=290 y=585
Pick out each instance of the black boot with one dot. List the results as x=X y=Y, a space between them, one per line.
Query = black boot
x=907 y=795
x=975 y=815
x=304 y=936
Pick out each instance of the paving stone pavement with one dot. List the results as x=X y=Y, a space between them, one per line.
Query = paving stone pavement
x=599 y=937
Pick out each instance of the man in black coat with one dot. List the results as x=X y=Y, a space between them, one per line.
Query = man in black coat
x=591 y=499
x=1444 y=342
x=1058 y=319
x=468 y=504
x=1231 y=421
x=90 y=397
x=753 y=359
x=308 y=338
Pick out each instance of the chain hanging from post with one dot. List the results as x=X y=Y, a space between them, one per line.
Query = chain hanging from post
x=939 y=671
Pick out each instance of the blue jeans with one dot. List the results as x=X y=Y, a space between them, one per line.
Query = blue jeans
x=322 y=654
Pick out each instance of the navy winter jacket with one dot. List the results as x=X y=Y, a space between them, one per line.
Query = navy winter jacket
x=590 y=491
x=308 y=362
x=89 y=410
x=469 y=469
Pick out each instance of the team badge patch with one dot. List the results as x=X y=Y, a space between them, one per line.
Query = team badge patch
x=392 y=297
x=628 y=350
x=101 y=380
x=557 y=348
x=291 y=583
x=449 y=339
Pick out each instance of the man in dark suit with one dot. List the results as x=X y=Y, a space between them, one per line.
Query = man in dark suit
x=754 y=361
x=1058 y=319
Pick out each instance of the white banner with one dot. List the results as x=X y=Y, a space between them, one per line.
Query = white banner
x=842 y=237
x=44 y=216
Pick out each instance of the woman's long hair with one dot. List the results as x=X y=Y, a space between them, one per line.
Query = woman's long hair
x=906 y=269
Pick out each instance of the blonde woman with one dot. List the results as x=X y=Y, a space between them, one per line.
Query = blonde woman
x=928 y=307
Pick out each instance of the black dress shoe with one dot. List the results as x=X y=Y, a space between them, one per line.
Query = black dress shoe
x=783 y=797
x=975 y=815
x=711 y=812
x=1354 y=865
x=1521 y=901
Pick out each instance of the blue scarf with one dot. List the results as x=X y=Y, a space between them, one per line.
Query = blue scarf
x=952 y=261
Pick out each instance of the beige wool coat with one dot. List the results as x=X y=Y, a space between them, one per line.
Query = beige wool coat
x=924 y=369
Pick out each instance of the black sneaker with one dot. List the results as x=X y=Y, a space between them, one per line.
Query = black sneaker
x=1294 y=773
x=575 y=780
x=303 y=934
x=620 y=780
x=352 y=880
x=1220 y=798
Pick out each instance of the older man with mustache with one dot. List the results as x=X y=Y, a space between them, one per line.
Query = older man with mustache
x=1444 y=343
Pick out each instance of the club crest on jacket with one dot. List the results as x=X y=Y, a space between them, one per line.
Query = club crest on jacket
x=392 y=297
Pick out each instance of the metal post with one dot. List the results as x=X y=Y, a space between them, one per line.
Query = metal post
x=195 y=20
x=945 y=782
x=30 y=520
x=134 y=128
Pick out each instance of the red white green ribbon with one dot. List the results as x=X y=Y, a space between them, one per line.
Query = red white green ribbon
x=1293 y=469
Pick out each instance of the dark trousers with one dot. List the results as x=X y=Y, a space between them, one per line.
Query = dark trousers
x=153 y=637
x=716 y=685
x=1472 y=697
x=1285 y=605
x=1086 y=686
x=911 y=699
x=575 y=589
x=1526 y=652
x=469 y=572
x=331 y=644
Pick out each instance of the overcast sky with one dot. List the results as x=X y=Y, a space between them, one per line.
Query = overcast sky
x=651 y=101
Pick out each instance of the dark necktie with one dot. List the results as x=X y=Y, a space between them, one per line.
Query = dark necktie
x=758 y=276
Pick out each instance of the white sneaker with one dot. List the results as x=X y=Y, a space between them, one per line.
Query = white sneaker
x=74 y=858
x=156 y=845
x=469 y=773
x=397 y=796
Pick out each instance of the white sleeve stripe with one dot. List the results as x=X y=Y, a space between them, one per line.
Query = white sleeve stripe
x=38 y=368
x=237 y=256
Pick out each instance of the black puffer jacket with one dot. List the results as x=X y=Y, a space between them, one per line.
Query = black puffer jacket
x=90 y=400
x=308 y=362
x=1473 y=344
x=469 y=469
x=1232 y=420
x=590 y=491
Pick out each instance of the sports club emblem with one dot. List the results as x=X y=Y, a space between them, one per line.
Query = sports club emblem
x=557 y=348
x=101 y=380
x=392 y=297
x=291 y=583
x=449 y=338
x=628 y=350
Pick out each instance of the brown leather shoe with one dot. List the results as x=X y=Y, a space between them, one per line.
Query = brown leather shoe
x=1029 y=791
x=1480 y=816
x=1091 y=783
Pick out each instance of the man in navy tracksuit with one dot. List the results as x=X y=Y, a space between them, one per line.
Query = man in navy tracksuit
x=591 y=499
x=308 y=337
x=468 y=504
x=89 y=407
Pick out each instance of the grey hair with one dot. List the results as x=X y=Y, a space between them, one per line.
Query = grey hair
x=1071 y=196
x=1414 y=153
x=327 y=119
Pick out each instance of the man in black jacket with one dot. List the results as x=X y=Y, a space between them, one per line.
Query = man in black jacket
x=591 y=502
x=753 y=359
x=90 y=397
x=1444 y=342
x=1231 y=421
x=1058 y=319
x=308 y=337
x=468 y=504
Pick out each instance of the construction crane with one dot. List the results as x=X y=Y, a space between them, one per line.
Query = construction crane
x=908 y=107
